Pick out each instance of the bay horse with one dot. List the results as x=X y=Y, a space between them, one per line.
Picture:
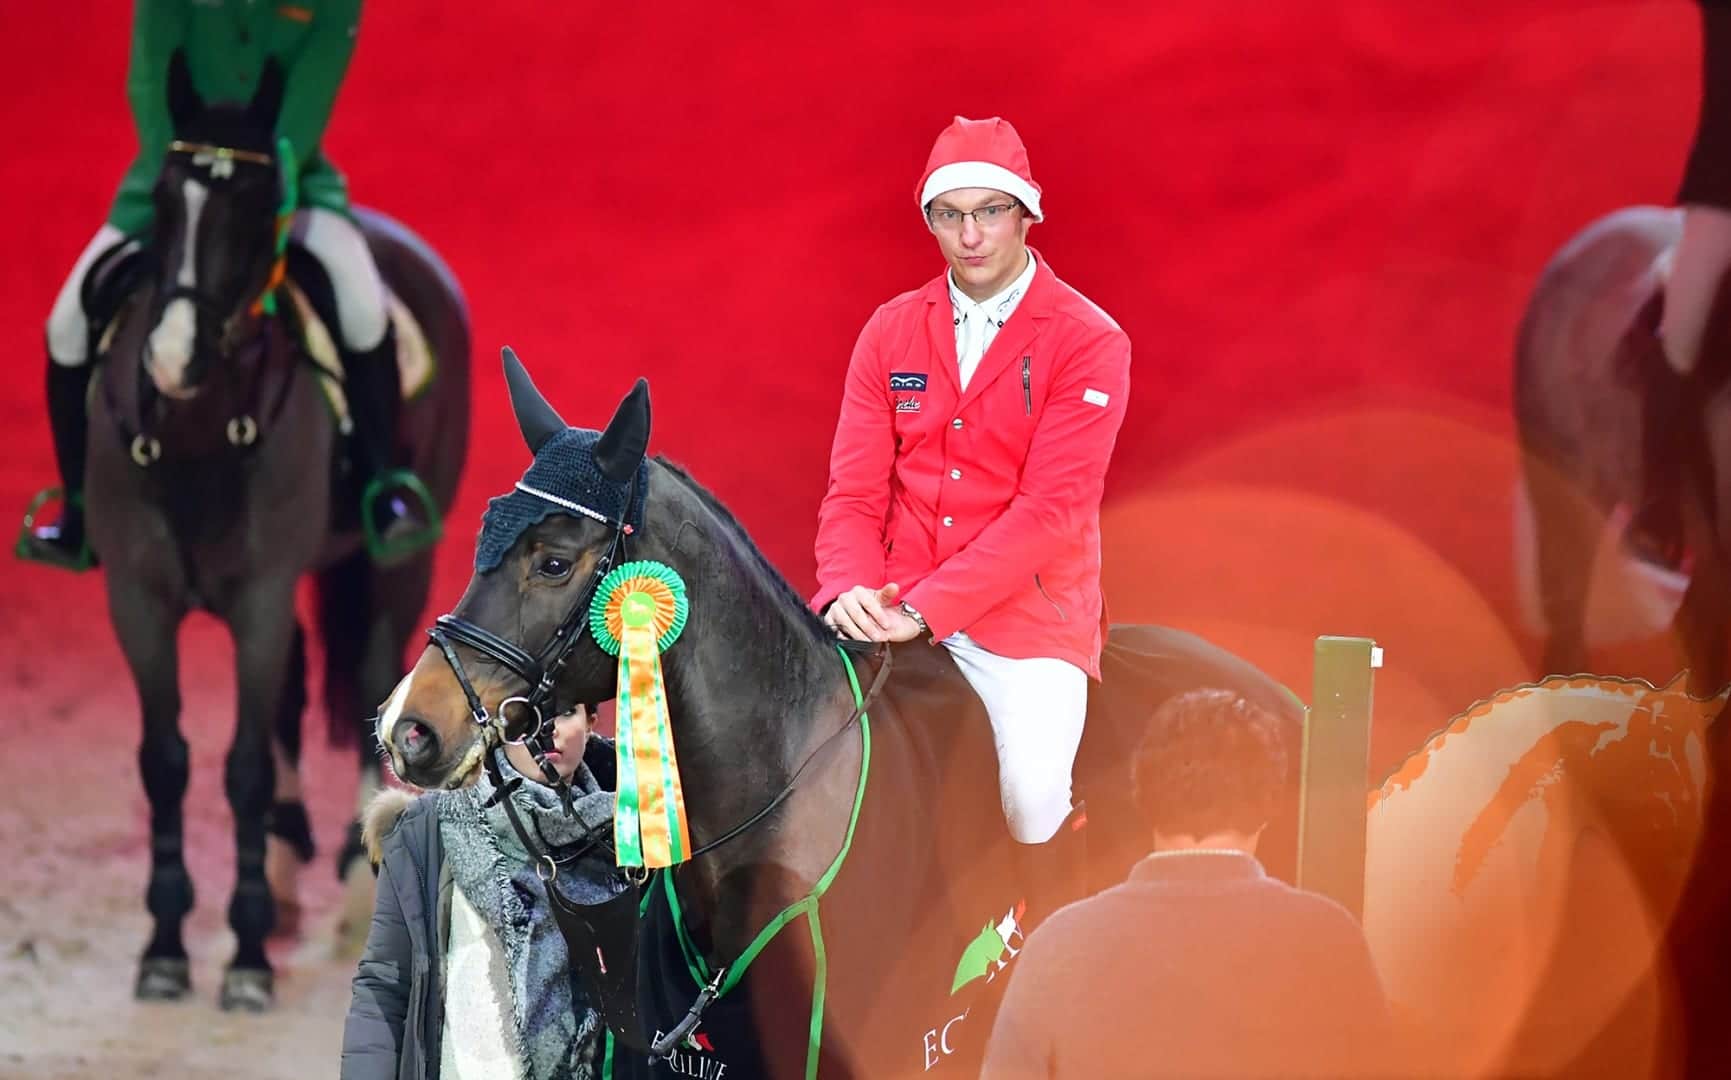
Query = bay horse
x=858 y=813
x=212 y=489
x=1586 y=355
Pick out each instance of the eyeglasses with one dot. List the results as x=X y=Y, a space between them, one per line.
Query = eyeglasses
x=985 y=216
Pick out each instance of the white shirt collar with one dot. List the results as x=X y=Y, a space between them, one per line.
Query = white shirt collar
x=997 y=307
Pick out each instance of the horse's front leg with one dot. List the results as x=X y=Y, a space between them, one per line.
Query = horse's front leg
x=146 y=623
x=290 y=846
x=396 y=598
x=262 y=621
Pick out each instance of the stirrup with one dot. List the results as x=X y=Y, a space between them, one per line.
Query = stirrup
x=389 y=553
x=32 y=549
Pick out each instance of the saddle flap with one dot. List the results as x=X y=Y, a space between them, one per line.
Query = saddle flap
x=416 y=365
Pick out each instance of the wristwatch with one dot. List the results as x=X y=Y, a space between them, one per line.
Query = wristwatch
x=919 y=620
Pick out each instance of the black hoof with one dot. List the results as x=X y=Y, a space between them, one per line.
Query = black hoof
x=163 y=978
x=247 y=990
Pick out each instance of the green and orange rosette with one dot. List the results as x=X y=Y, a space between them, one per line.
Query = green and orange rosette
x=638 y=613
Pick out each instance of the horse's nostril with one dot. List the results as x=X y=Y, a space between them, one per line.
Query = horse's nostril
x=415 y=741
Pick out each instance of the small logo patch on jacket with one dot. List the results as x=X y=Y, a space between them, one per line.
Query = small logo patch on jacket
x=908 y=380
x=1096 y=397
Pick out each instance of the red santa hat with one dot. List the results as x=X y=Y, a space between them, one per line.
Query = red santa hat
x=980 y=154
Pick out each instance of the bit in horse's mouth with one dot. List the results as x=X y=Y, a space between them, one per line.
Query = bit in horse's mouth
x=466 y=766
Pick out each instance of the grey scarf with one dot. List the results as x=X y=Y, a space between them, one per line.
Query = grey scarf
x=559 y=1033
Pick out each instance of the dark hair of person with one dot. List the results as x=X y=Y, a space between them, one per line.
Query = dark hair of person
x=1209 y=762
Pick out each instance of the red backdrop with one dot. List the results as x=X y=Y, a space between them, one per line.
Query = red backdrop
x=1316 y=221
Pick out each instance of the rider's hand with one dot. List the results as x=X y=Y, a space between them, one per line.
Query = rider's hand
x=866 y=614
x=859 y=613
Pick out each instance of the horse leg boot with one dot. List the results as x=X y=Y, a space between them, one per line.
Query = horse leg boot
x=263 y=625
x=249 y=777
x=164 y=973
x=68 y=422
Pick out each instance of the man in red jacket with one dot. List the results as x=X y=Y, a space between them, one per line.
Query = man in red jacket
x=976 y=425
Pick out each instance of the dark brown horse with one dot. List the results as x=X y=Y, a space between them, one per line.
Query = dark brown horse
x=918 y=917
x=1585 y=359
x=210 y=486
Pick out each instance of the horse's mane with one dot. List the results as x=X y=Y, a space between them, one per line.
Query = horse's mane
x=740 y=540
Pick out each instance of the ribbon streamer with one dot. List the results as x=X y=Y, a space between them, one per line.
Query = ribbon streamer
x=638 y=612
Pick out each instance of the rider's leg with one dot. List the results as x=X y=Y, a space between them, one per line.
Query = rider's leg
x=368 y=349
x=1037 y=708
x=68 y=335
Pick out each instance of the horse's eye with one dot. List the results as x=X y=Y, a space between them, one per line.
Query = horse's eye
x=553 y=567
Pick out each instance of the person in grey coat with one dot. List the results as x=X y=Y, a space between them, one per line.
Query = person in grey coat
x=465 y=973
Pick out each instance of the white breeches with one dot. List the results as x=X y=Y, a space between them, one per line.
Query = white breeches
x=340 y=248
x=329 y=237
x=1697 y=266
x=68 y=329
x=1037 y=707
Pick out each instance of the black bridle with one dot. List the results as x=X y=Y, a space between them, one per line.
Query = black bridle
x=225 y=312
x=229 y=314
x=539 y=671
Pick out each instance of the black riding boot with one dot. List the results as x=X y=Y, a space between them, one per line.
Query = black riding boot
x=1049 y=875
x=69 y=424
x=375 y=404
x=1656 y=531
x=1054 y=873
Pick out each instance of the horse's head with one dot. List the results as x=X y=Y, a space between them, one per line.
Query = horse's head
x=541 y=554
x=217 y=200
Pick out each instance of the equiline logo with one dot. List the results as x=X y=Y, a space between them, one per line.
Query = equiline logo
x=988 y=954
x=991 y=951
x=694 y=1057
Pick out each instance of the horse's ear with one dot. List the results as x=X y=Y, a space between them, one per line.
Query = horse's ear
x=622 y=447
x=184 y=104
x=266 y=101
x=537 y=418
